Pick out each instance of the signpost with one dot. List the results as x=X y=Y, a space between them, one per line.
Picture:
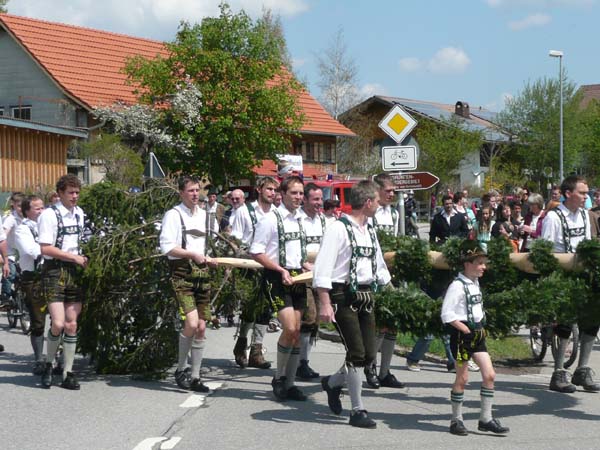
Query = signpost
x=397 y=124
x=414 y=180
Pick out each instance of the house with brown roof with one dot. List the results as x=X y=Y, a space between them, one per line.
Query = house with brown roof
x=590 y=92
x=57 y=74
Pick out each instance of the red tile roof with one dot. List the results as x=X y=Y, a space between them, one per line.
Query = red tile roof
x=590 y=92
x=87 y=64
x=268 y=168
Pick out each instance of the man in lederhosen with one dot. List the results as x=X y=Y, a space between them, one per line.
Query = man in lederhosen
x=280 y=246
x=183 y=239
x=313 y=222
x=60 y=233
x=348 y=269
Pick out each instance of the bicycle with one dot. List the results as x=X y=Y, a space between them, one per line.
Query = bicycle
x=16 y=309
x=542 y=335
x=399 y=154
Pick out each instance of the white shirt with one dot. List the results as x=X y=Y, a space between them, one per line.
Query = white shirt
x=27 y=245
x=333 y=261
x=447 y=216
x=313 y=227
x=48 y=227
x=552 y=228
x=10 y=222
x=455 y=301
x=266 y=237
x=241 y=221
x=383 y=216
x=194 y=221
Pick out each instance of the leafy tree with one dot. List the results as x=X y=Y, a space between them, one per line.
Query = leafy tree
x=249 y=101
x=533 y=117
x=3 y=8
x=123 y=166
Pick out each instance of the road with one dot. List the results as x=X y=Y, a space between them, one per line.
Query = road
x=117 y=412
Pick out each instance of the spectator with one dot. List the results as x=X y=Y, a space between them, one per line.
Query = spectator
x=461 y=206
x=536 y=206
x=483 y=228
x=448 y=222
x=504 y=227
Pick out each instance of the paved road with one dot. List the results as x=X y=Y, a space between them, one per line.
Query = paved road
x=116 y=412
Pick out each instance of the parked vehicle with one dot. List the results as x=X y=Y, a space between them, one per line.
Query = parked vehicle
x=337 y=190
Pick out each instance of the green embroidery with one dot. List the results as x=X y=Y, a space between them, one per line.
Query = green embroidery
x=361 y=252
x=388 y=229
x=291 y=236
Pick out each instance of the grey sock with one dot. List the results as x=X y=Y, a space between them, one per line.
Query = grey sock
x=37 y=343
x=69 y=346
x=338 y=378
x=290 y=368
x=305 y=345
x=354 y=382
x=487 y=399
x=197 y=354
x=387 y=351
x=52 y=346
x=559 y=360
x=585 y=350
x=259 y=333
x=456 y=398
x=185 y=344
x=283 y=356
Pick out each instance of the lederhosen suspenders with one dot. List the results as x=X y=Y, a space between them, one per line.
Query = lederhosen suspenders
x=37 y=262
x=361 y=252
x=253 y=218
x=317 y=239
x=567 y=232
x=471 y=300
x=284 y=237
x=63 y=231
x=184 y=232
x=389 y=229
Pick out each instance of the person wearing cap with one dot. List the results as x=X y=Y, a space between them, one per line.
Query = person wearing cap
x=464 y=316
x=213 y=207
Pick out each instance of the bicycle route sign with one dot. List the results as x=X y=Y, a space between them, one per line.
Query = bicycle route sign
x=414 y=180
x=400 y=157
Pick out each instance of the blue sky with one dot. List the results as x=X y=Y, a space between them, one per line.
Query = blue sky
x=479 y=51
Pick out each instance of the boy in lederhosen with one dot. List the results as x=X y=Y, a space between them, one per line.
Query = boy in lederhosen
x=462 y=312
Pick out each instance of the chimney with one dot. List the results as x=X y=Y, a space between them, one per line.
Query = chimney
x=462 y=109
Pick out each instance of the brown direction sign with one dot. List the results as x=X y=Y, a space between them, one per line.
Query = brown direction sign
x=414 y=180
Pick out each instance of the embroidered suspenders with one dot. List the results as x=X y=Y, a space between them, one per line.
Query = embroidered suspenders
x=471 y=300
x=317 y=239
x=63 y=231
x=361 y=252
x=291 y=236
x=567 y=232
x=388 y=229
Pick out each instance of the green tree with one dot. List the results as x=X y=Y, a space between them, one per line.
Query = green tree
x=248 y=108
x=533 y=117
x=3 y=8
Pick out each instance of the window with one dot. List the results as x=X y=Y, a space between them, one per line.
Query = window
x=310 y=151
x=328 y=153
x=21 y=112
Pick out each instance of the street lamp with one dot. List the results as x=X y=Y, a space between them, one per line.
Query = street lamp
x=559 y=54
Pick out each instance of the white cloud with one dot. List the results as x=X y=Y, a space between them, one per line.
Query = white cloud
x=410 y=64
x=449 y=60
x=370 y=89
x=499 y=104
x=156 y=19
x=534 y=20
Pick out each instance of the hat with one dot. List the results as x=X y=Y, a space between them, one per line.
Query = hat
x=469 y=250
x=212 y=190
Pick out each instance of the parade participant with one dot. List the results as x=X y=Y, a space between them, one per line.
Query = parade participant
x=313 y=223
x=10 y=222
x=462 y=312
x=329 y=210
x=213 y=207
x=385 y=219
x=60 y=232
x=566 y=226
x=4 y=262
x=348 y=269
x=183 y=240
x=243 y=228
x=448 y=222
x=277 y=199
x=30 y=259
x=280 y=246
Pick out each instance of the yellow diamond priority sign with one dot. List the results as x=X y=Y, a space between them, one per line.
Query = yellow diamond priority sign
x=397 y=124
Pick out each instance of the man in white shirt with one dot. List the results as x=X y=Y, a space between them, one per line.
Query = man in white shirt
x=348 y=269
x=30 y=259
x=280 y=246
x=566 y=226
x=314 y=223
x=5 y=263
x=243 y=227
x=183 y=239
x=60 y=232
x=214 y=208
x=10 y=222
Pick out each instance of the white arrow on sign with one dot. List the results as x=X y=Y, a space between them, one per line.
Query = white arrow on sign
x=397 y=158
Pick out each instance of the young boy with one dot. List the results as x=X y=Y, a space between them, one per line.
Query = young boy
x=462 y=310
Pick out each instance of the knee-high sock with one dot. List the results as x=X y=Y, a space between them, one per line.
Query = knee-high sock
x=457 y=398
x=338 y=378
x=487 y=400
x=69 y=346
x=197 y=354
x=283 y=356
x=387 y=351
x=354 y=382
x=37 y=344
x=290 y=368
x=585 y=350
x=305 y=345
x=245 y=328
x=52 y=346
x=559 y=361
x=185 y=344
x=258 y=333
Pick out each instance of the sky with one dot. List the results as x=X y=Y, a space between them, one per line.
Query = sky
x=478 y=51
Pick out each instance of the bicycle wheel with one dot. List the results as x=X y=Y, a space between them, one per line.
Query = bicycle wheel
x=24 y=318
x=12 y=313
x=537 y=342
x=572 y=347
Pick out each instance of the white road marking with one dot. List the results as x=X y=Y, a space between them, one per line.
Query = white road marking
x=149 y=443
x=193 y=401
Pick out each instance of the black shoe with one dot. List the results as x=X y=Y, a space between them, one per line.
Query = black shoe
x=1 y=348
x=371 y=374
x=560 y=382
x=38 y=368
x=294 y=393
x=57 y=370
x=584 y=377
x=70 y=382
x=493 y=426
x=47 y=376
x=279 y=389
x=390 y=381
x=333 y=396
x=304 y=371
x=458 y=428
x=361 y=420
x=197 y=386
x=182 y=378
